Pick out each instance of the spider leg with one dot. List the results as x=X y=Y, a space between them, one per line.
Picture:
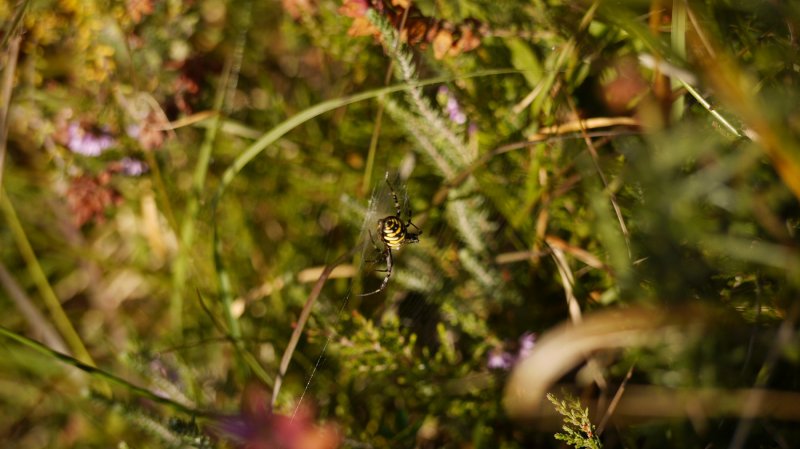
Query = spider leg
x=378 y=251
x=389 y=265
x=409 y=223
x=394 y=195
x=388 y=268
x=408 y=211
x=419 y=231
x=372 y=239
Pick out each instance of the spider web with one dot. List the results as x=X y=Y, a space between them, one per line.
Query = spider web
x=380 y=205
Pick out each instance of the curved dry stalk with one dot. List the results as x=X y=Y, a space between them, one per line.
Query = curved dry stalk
x=575 y=315
x=569 y=344
x=699 y=404
x=567 y=281
x=301 y=322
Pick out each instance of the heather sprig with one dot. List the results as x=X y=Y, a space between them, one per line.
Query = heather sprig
x=578 y=429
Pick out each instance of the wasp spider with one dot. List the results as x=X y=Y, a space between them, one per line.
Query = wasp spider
x=393 y=233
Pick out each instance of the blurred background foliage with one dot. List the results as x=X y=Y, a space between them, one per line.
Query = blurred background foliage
x=170 y=196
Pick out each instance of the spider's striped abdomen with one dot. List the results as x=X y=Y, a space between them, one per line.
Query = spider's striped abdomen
x=393 y=232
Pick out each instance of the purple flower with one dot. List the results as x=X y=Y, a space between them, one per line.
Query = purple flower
x=505 y=360
x=133 y=167
x=133 y=131
x=499 y=360
x=82 y=142
x=454 y=111
x=526 y=343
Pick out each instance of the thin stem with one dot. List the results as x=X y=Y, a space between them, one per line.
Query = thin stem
x=705 y=104
x=36 y=320
x=298 y=119
x=51 y=301
x=226 y=294
x=5 y=100
x=96 y=372
x=596 y=161
x=678 y=41
x=187 y=231
x=16 y=23
x=614 y=402
x=247 y=357
x=376 y=130
x=557 y=135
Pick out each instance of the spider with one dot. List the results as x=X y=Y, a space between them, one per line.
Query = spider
x=393 y=234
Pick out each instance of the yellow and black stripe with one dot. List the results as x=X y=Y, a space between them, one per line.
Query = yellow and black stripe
x=393 y=232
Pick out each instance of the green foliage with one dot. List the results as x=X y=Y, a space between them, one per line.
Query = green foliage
x=175 y=288
x=578 y=429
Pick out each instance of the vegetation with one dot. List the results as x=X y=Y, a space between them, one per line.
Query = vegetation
x=607 y=194
x=578 y=429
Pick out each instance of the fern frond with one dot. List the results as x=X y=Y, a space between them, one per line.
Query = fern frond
x=406 y=70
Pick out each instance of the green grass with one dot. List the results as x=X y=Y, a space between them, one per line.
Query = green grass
x=607 y=193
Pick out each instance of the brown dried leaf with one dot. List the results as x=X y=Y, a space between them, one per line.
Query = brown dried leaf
x=362 y=27
x=442 y=43
x=469 y=39
x=151 y=136
x=416 y=30
x=89 y=197
x=622 y=92
x=137 y=9
x=299 y=8
x=354 y=8
x=184 y=87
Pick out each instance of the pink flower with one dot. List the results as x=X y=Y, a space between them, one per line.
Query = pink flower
x=258 y=427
